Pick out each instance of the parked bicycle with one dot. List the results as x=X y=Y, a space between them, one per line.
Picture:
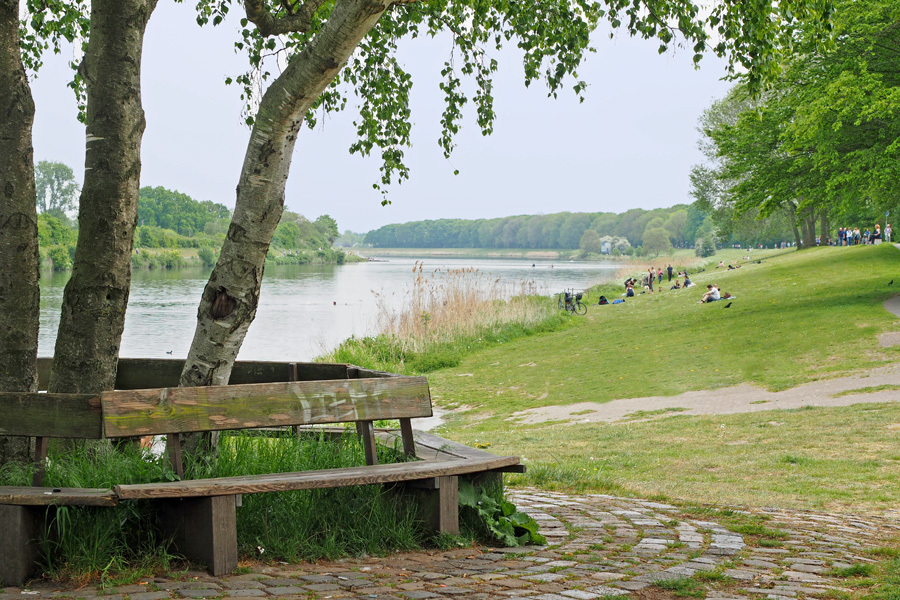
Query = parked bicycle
x=571 y=301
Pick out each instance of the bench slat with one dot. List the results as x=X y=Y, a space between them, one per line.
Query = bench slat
x=50 y=415
x=140 y=373
x=305 y=480
x=44 y=496
x=181 y=410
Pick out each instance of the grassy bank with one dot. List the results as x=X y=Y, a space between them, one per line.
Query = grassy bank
x=797 y=317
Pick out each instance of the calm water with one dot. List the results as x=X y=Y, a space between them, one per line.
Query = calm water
x=297 y=317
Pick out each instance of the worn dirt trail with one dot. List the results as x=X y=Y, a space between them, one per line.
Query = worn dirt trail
x=742 y=398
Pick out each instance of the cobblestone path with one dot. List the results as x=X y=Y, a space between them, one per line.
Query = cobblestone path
x=598 y=547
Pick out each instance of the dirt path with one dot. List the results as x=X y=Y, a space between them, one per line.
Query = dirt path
x=742 y=398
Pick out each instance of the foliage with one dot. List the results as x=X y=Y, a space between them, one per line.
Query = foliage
x=312 y=524
x=167 y=259
x=60 y=257
x=207 y=256
x=168 y=209
x=56 y=188
x=657 y=240
x=558 y=230
x=505 y=523
x=93 y=543
x=591 y=243
x=53 y=231
x=446 y=315
x=706 y=247
x=823 y=141
x=553 y=35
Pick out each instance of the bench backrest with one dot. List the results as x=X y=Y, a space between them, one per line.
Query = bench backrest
x=130 y=413
x=183 y=410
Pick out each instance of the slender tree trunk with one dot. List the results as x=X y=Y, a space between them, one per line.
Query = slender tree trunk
x=231 y=296
x=791 y=209
x=19 y=257
x=823 y=228
x=93 y=311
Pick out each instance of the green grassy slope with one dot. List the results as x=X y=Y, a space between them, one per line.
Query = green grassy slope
x=796 y=318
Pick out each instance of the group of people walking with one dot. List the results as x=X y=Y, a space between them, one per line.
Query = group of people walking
x=851 y=236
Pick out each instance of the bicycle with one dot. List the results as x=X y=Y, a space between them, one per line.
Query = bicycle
x=571 y=302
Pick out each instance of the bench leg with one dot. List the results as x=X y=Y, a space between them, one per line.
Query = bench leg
x=438 y=503
x=20 y=527
x=203 y=530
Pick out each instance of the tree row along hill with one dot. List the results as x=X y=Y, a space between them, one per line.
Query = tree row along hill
x=680 y=226
x=169 y=222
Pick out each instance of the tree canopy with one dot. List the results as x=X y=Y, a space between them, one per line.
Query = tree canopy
x=823 y=141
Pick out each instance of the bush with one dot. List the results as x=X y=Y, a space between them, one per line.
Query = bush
x=207 y=256
x=61 y=258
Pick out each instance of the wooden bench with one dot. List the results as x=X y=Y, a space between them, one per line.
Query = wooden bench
x=199 y=515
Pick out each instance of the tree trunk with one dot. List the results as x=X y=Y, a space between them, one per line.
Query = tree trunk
x=824 y=235
x=19 y=257
x=791 y=209
x=808 y=225
x=96 y=296
x=231 y=296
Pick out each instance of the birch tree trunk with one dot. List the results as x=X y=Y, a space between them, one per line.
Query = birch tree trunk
x=93 y=311
x=231 y=296
x=19 y=258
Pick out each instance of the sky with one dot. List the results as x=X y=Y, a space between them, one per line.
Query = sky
x=631 y=144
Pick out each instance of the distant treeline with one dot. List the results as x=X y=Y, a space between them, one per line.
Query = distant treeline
x=683 y=223
x=169 y=220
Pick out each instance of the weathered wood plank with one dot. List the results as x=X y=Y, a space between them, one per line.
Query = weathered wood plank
x=305 y=480
x=44 y=496
x=406 y=433
x=180 y=410
x=19 y=549
x=50 y=415
x=367 y=433
x=40 y=456
x=203 y=529
x=142 y=373
x=435 y=442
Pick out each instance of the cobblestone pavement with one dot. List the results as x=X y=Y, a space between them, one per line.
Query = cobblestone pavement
x=599 y=546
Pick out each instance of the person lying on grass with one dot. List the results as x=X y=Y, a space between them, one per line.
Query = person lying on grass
x=712 y=294
x=677 y=285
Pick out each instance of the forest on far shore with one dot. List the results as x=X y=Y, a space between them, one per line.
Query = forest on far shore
x=633 y=231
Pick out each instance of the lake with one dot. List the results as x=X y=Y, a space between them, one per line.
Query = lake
x=304 y=310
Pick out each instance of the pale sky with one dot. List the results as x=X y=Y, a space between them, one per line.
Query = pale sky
x=629 y=145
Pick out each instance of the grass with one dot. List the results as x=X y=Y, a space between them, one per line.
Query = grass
x=449 y=314
x=311 y=524
x=778 y=334
x=867 y=390
x=119 y=545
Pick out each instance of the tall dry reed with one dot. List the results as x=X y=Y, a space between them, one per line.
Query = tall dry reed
x=444 y=305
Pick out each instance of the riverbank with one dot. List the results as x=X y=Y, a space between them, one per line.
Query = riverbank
x=789 y=325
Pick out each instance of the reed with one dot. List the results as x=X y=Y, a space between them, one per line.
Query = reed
x=446 y=314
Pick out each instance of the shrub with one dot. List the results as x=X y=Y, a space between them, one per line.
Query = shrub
x=207 y=256
x=61 y=258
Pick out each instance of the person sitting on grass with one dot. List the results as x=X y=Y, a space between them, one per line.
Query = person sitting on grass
x=677 y=285
x=629 y=289
x=687 y=281
x=712 y=294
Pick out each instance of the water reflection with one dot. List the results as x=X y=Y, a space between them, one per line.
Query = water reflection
x=304 y=310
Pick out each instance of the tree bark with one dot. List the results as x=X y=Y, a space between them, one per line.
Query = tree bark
x=231 y=296
x=823 y=228
x=96 y=296
x=808 y=228
x=19 y=257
